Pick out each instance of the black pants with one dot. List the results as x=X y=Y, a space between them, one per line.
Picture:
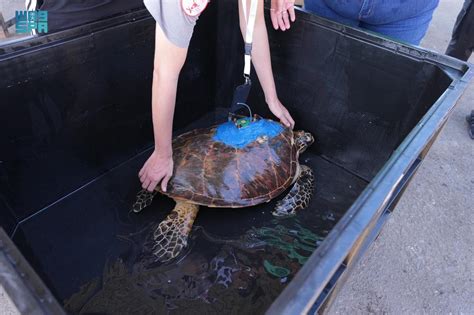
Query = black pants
x=462 y=40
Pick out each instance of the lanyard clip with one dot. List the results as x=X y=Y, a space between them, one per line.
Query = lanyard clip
x=247 y=80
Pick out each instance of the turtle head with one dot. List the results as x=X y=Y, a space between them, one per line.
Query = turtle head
x=303 y=140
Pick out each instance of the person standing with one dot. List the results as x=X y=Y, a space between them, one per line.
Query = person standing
x=462 y=40
x=175 y=20
x=401 y=20
x=462 y=44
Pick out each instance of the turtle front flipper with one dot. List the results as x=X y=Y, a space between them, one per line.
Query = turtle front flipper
x=144 y=199
x=171 y=235
x=299 y=195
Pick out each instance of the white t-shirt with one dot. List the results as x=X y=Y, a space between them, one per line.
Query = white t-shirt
x=176 y=25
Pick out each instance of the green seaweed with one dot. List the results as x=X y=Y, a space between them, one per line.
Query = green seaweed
x=291 y=241
x=277 y=271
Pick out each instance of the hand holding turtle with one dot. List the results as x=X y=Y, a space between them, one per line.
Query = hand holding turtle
x=280 y=111
x=158 y=168
x=279 y=13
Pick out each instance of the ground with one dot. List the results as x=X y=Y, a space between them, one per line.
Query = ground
x=422 y=263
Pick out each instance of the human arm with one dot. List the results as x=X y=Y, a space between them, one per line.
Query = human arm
x=168 y=61
x=262 y=63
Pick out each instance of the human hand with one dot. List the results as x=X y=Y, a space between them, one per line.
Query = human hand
x=281 y=112
x=279 y=12
x=158 y=168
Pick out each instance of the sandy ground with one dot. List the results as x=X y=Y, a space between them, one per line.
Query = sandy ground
x=423 y=261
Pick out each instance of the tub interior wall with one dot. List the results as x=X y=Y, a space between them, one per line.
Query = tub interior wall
x=70 y=112
x=77 y=126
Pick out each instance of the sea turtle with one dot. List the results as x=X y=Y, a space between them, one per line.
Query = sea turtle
x=231 y=165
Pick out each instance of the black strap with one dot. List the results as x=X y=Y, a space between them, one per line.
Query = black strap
x=241 y=93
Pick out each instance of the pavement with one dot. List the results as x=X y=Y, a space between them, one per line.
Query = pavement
x=6 y=305
x=423 y=260
x=8 y=7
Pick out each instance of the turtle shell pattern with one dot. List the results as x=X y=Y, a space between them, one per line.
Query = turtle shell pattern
x=213 y=174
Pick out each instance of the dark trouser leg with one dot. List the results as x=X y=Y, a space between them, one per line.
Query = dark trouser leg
x=462 y=40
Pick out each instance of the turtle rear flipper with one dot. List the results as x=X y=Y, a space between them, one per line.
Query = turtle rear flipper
x=144 y=199
x=171 y=235
x=299 y=195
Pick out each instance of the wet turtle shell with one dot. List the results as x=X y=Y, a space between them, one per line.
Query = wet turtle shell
x=210 y=173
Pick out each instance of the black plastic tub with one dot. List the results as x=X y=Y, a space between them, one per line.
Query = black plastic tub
x=75 y=129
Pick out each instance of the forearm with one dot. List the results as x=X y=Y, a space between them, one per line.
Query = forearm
x=261 y=52
x=262 y=60
x=169 y=60
x=163 y=104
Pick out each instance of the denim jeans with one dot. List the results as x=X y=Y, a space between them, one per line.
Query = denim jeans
x=403 y=20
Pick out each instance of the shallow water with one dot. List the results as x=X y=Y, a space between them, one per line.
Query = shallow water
x=213 y=275
x=94 y=254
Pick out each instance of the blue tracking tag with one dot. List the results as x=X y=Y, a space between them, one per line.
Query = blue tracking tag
x=230 y=134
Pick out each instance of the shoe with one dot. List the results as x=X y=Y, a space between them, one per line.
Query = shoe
x=470 y=127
